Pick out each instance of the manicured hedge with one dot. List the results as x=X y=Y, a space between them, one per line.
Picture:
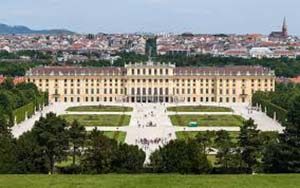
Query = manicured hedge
x=20 y=113
x=30 y=108
x=281 y=113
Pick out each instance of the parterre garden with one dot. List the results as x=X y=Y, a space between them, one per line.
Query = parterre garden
x=99 y=120
x=100 y=108
x=199 y=108
x=208 y=120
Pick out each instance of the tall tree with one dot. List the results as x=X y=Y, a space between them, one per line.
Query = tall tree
x=77 y=134
x=30 y=156
x=99 y=153
x=250 y=144
x=7 y=153
x=224 y=146
x=7 y=146
x=52 y=136
x=284 y=156
x=180 y=156
x=128 y=159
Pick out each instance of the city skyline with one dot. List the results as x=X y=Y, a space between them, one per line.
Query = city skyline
x=154 y=16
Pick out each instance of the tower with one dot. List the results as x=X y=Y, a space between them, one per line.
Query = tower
x=284 y=28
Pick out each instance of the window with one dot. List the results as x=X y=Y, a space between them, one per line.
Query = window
x=243 y=100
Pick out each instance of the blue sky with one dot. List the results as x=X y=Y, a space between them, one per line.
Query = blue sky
x=113 y=16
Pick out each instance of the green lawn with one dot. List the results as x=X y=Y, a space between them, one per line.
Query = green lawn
x=208 y=120
x=117 y=135
x=199 y=109
x=184 y=135
x=150 y=181
x=99 y=120
x=100 y=108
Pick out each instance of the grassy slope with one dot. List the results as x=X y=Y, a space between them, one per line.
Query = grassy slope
x=99 y=109
x=150 y=181
x=99 y=120
x=199 y=109
x=208 y=120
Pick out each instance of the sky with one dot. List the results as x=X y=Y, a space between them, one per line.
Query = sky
x=177 y=16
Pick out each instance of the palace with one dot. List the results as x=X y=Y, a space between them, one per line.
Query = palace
x=152 y=82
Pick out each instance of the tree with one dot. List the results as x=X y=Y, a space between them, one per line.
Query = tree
x=7 y=154
x=8 y=84
x=52 y=136
x=77 y=135
x=205 y=140
x=224 y=146
x=100 y=152
x=250 y=144
x=4 y=122
x=30 y=156
x=180 y=156
x=284 y=156
x=7 y=145
x=128 y=159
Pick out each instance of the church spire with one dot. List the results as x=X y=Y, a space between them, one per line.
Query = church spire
x=284 y=28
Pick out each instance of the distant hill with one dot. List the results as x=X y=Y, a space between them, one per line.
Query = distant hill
x=7 y=29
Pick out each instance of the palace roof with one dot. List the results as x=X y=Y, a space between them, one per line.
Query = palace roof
x=121 y=71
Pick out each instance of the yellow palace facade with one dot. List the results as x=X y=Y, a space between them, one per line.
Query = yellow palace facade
x=152 y=82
